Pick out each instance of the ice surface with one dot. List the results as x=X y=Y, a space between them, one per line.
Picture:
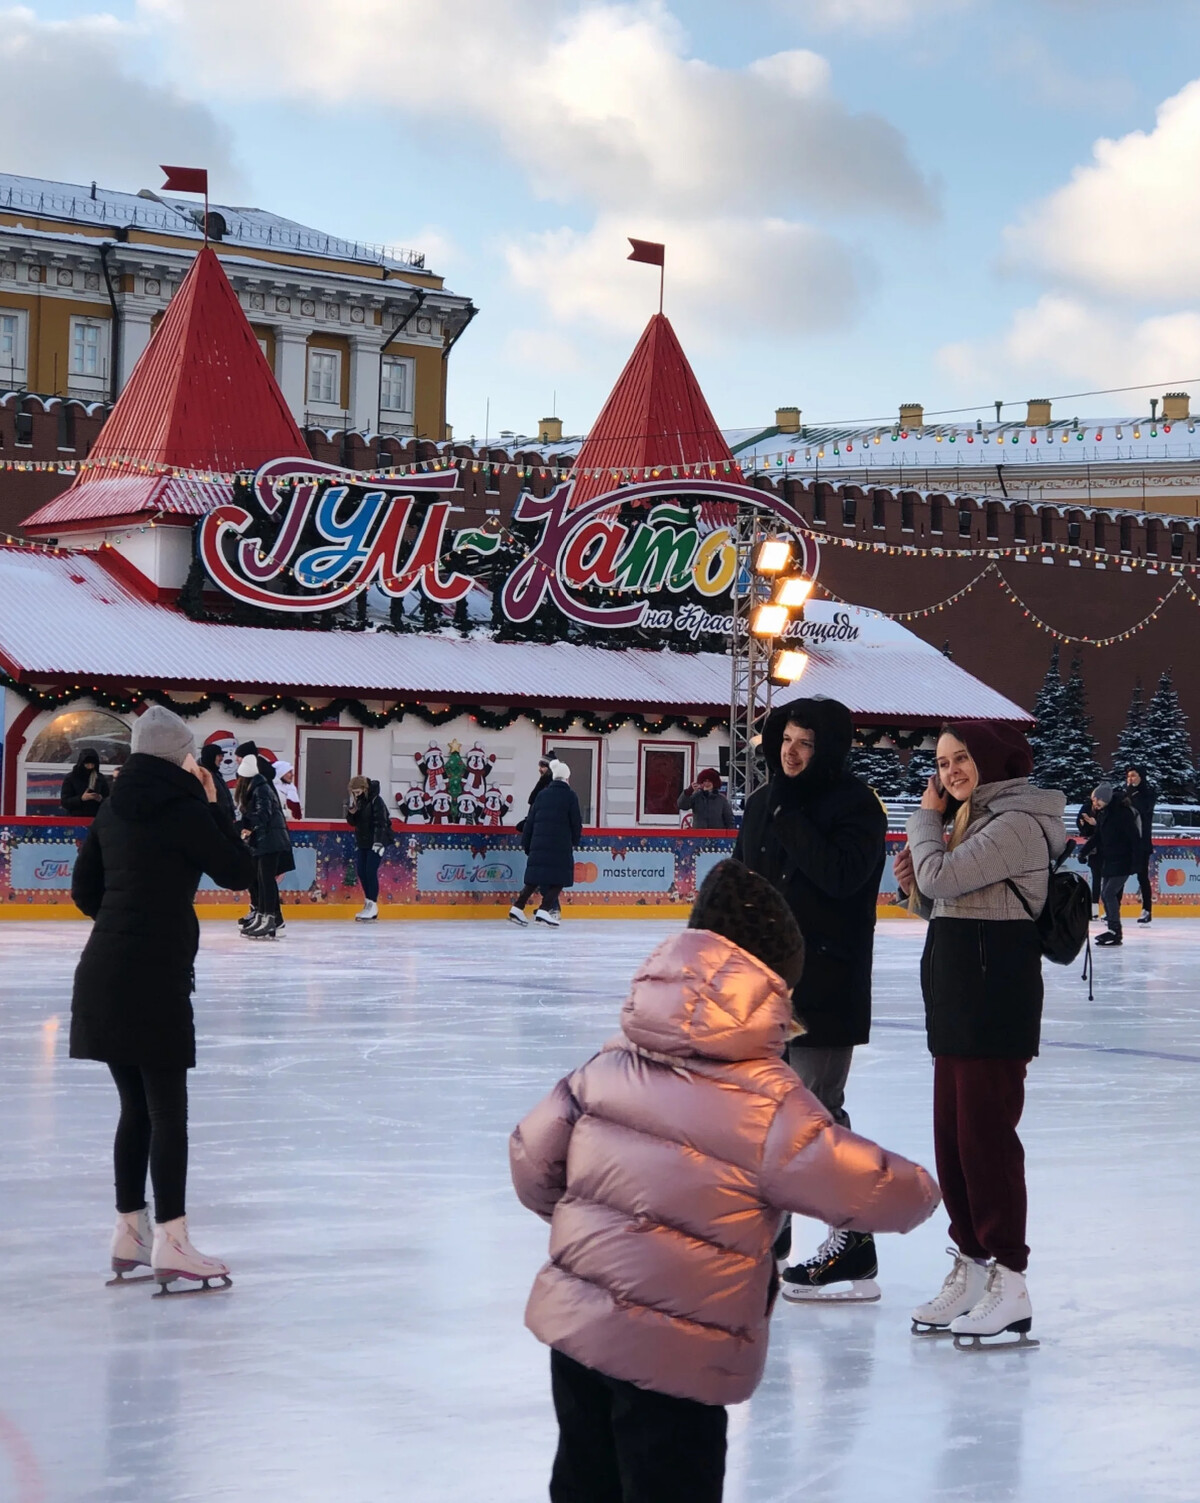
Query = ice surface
x=349 y=1123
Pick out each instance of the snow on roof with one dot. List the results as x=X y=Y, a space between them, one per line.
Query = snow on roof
x=64 y=617
x=75 y=203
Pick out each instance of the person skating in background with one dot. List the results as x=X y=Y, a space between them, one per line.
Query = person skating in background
x=1116 y=845
x=1143 y=796
x=211 y=757
x=1085 y=822
x=553 y=828
x=664 y=1166
x=285 y=787
x=265 y=831
x=136 y=876
x=708 y=806
x=817 y=833
x=977 y=866
x=544 y=781
x=85 y=787
x=368 y=813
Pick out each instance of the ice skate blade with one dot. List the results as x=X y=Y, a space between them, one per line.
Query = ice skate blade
x=928 y=1331
x=123 y=1274
x=860 y=1292
x=213 y=1284
x=995 y=1342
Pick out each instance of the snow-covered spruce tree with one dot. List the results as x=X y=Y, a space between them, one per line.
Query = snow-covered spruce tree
x=920 y=769
x=879 y=767
x=1076 y=744
x=1134 y=746
x=1173 y=766
x=1046 y=738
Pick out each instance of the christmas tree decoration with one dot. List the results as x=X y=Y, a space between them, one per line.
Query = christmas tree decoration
x=1134 y=747
x=1173 y=767
x=880 y=768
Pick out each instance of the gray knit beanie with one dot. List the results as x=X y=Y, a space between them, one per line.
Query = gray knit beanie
x=159 y=733
x=1103 y=793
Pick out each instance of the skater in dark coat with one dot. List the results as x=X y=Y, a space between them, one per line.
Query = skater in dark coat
x=368 y=813
x=210 y=760
x=136 y=876
x=1116 y=844
x=1142 y=796
x=264 y=829
x=1085 y=822
x=553 y=828
x=544 y=781
x=817 y=832
x=85 y=787
x=977 y=866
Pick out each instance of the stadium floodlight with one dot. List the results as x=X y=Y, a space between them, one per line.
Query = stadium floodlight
x=793 y=590
x=773 y=556
x=787 y=665
x=769 y=620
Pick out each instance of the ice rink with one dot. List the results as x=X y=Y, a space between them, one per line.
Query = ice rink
x=355 y=1091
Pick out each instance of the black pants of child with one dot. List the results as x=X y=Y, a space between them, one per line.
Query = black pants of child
x=151 y=1132
x=618 y=1443
x=549 y=896
x=1143 y=876
x=367 y=865
x=266 y=884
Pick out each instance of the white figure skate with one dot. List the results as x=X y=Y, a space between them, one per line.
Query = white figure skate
x=963 y=1288
x=547 y=916
x=517 y=916
x=1004 y=1308
x=173 y=1257
x=367 y=912
x=131 y=1242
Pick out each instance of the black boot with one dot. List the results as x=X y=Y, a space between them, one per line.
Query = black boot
x=843 y=1258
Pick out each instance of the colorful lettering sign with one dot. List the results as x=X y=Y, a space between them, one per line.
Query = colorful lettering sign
x=305 y=537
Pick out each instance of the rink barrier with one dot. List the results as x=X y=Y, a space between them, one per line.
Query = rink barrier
x=456 y=872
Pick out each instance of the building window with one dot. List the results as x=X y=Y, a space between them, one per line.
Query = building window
x=878 y=516
x=1020 y=527
x=396 y=385
x=665 y=771
x=1098 y=531
x=12 y=348
x=1047 y=526
x=993 y=520
x=818 y=501
x=1151 y=539
x=87 y=357
x=1177 y=545
x=849 y=509
x=1126 y=535
x=964 y=521
x=935 y=516
x=325 y=377
x=906 y=514
x=1074 y=530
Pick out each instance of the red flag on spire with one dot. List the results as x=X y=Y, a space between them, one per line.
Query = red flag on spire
x=186 y=180
x=648 y=251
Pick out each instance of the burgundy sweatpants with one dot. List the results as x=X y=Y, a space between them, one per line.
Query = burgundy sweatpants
x=977 y=1104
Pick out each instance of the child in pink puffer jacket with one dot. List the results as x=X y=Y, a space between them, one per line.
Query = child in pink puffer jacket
x=664 y=1167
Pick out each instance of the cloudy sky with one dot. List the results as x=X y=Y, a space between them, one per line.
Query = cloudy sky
x=864 y=201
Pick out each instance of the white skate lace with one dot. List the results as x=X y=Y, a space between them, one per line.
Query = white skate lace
x=830 y=1248
x=993 y=1293
x=953 y=1284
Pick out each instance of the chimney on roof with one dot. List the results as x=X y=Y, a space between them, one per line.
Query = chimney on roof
x=1177 y=407
x=1037 y=412
x=550 y=430
x=787 y=419
x=912 y=415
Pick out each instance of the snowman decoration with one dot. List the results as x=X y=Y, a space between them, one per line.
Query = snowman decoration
x=432 y=766
x=412 y=806
x=495 y=807
x=479 y=767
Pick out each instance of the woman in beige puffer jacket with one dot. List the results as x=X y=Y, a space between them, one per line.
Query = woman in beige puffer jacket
x=666 y=1163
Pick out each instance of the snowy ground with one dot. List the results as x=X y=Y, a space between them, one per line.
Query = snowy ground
x=350 y=1114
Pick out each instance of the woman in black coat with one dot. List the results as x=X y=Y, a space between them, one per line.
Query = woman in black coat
x=136 y=876
x=210 y=759
x=264 y=828
x=553 y=828
x=85 y=787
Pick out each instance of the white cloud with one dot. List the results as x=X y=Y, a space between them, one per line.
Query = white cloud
x=73 y=109
x=1128 y=223
x=1064 y=341
x=725 y=277
x=543 y=350
x=601 y=102
x=870 y=15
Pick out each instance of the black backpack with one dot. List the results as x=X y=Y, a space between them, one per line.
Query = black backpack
x=1063 y=924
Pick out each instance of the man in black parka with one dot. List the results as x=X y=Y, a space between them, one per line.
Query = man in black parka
x=817 y=833
x=85 y=787
x=1142 y=795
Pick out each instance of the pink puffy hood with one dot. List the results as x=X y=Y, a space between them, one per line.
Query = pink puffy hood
x=664 y=1166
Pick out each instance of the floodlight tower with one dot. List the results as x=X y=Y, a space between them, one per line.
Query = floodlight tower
x=765 y=596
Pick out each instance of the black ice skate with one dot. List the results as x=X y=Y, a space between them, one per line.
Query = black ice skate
x=841 y=1271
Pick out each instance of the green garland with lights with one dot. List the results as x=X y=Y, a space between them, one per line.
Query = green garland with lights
x=488 y=720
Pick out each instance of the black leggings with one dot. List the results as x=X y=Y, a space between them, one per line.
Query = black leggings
x=151 y=1131
x=550 y=896
x=266 y=885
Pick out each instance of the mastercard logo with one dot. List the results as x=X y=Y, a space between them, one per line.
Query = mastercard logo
x=1176 y=876
x=586 y=871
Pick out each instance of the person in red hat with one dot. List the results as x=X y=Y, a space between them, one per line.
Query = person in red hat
x=708 y=806
x=977 y=866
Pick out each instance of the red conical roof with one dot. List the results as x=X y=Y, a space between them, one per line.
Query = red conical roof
x=656 y=416
x=202 y=396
